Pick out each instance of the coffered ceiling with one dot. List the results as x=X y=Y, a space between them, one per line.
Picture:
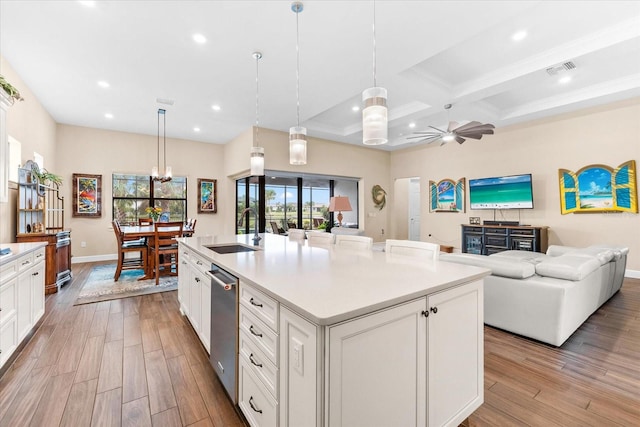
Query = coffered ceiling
x=428 y=53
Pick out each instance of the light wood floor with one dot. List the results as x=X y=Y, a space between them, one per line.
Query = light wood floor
x=137 y=362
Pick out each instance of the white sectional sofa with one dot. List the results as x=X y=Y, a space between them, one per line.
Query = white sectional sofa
x=547 y=296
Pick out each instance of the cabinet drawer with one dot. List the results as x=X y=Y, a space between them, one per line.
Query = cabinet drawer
x=8 y=300
x=260 y=409
x=259 y=363
x=491 y=240
x=262 y=306
x=38 y=256
x=8 y=338
x=263 y=337
x=25 y=262
x=7 y=271
x=199 y=263
x=185 y=253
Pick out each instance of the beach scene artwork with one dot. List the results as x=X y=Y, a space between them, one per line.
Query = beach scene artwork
x=447 y=195
x=87 y=202
x=594 y=188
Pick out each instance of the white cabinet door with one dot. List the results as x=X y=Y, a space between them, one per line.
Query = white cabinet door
x=24 y=303
x=299 y=375
x=37 y=292
x=205 y=323
x=8 y=339
x=183 y=282
x=455 y=354
x=377 y=369
x=195 y=295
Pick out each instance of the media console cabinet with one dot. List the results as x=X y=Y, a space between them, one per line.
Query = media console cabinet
x=490 y=239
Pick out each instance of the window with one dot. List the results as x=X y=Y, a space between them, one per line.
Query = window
x=132 y=194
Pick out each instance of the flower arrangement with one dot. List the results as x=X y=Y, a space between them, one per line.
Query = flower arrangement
x=154 y=213
x=13 y=93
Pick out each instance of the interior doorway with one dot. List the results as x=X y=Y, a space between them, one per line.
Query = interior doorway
x=414 y=209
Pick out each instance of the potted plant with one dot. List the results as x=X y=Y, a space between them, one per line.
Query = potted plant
x=14 y=94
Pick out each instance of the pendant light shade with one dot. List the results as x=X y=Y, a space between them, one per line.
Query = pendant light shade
x=298 y=145
x=374 y=116
x=297 y=134
x=257 y=153
x=155 y=171
x=374 y=110
x=257 y=161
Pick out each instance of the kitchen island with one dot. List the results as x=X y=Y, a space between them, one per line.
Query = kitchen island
x=337 y=337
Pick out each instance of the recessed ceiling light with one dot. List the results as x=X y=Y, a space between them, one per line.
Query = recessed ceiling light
x=355 y=108
x=103 y=84
x=412 y=125
x=108 y=116
x=564 y=80
x=199 y=38
x=215 y=107
x=196 y=129
x=87 y=3
x=520 y=35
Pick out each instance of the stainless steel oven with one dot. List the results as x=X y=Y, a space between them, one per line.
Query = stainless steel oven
x=224 y=328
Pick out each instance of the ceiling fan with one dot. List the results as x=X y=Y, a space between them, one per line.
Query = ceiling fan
x=473 y=130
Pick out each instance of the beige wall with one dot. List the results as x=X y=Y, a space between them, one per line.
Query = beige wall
x=323 y=157
x=608 y=135
x=30 y=124
x=103 y=152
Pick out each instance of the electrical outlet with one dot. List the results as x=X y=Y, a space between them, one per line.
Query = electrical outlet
x=83 y=244
x=297 y=357
x=383 y=231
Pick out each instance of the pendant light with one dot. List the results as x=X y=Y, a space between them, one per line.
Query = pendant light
x=297 y=134
x=257 y=153
x=374 y=111
x=155 y=171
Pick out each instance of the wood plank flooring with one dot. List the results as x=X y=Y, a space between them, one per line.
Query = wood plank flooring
x=137 y=362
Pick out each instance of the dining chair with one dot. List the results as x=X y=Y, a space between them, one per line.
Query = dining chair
x=320 y=238
x=354 y=242
x=165 y=248
x=275 y=228
x=296 y=234
x=145 y=221
x=425 y=250
x=124 y=247
x=189 y=227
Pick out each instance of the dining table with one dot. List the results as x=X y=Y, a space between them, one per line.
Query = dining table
x=133 y=232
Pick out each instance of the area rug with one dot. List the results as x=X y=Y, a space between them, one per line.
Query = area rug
x=100 y=285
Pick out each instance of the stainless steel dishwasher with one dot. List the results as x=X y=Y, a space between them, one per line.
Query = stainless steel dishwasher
x=224 y=328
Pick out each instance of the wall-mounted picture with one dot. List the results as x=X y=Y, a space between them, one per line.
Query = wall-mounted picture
x=447 y=195
x=599 y=188
x=87 y=195
x=379 y=197
x=207 y=195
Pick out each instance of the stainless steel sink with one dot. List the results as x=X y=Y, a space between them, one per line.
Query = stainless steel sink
x=230 y=248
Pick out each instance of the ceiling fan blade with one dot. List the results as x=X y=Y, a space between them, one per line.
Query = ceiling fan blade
x=433 y=135
x=427 y=133
x=472 y=135
x=475 y=133
x=474 y=125
x=452 y=126
x=459 y=139
x=439 y=130
x=428 y=140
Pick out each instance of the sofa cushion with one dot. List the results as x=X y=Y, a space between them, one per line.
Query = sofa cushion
x=527 y=256
x=618 y=251
x=568 y=267
x=504 y=267
x=557 y=250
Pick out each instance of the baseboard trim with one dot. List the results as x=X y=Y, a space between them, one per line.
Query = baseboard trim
x=94 y=258
x=632 y=274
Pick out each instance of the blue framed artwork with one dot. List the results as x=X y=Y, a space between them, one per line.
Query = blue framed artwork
x=599 y=188
x=447 y=195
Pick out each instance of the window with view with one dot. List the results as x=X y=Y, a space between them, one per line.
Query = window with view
x=133 y=194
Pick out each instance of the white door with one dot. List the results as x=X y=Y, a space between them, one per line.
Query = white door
x=414 y=209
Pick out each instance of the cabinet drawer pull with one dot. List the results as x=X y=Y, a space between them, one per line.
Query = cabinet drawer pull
x=255 y=303
x=434 y=310
x=259 y=365
x=254 y=332
x=198 y=279
x=39 y=255
x=184 y=263
x=25 y=262
x=198 y=262
x=253 y=407
x=36 y=273
x=425 y=313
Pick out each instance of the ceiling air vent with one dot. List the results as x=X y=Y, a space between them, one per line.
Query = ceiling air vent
x=165 y=101
x=566 y=66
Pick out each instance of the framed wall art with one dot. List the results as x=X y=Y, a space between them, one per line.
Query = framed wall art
x=599 y=188
x=447 y=195
x=207 y=195
x=87 y=195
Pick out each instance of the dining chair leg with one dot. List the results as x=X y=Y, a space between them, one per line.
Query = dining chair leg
x=119 y=267
x=157 y=268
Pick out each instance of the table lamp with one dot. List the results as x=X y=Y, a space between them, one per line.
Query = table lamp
x=339 y=204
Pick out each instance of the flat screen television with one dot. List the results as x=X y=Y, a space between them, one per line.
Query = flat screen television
x=501 y=192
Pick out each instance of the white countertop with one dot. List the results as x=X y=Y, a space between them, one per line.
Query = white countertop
x=329 y=285
x=18 y=249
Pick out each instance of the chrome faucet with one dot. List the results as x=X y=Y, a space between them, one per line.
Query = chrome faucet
x=256 y=237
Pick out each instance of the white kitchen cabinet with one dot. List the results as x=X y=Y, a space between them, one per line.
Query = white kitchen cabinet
x=183 y=280
x=194 y=293
x=427 y=354
x=22 y=284
x=205 y=311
